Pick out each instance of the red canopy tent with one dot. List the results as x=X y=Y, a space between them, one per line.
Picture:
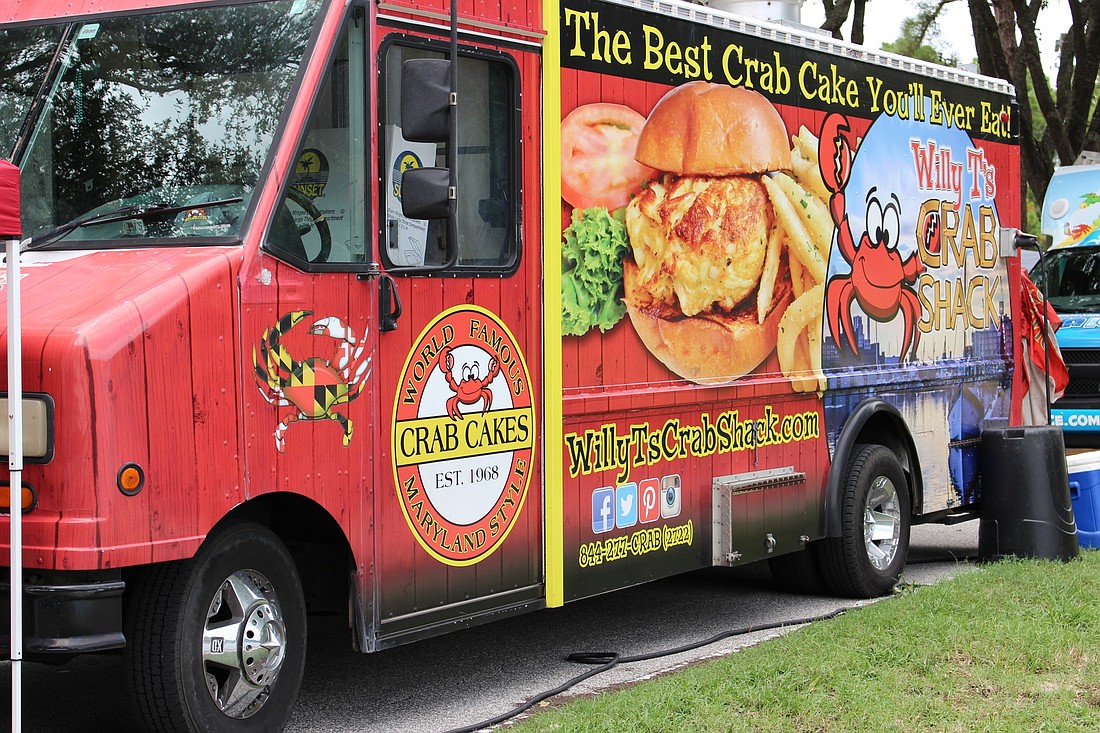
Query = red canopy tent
x=9 y=200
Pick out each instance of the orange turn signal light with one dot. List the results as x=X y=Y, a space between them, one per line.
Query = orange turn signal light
x=29 y=498
x=130 y=479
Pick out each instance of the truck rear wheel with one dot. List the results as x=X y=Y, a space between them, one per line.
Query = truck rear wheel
x=217 y=643
x=868 y=557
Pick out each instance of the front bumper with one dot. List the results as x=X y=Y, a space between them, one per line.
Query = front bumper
x=66 y=613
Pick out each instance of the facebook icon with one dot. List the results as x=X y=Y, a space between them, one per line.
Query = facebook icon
x=603 y=510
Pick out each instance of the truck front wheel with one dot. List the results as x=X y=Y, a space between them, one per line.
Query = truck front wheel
x=868 y=557
x=217 y=643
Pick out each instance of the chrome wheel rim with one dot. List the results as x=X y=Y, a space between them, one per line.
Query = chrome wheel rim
x=243 y=643
x=882 y=523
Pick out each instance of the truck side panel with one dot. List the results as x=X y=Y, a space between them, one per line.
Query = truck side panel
x=915 y=313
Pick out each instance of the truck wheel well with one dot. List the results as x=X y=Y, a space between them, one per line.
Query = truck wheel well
x=887 y=430
x=320 y=550
x=873 y=421
x=315 y=541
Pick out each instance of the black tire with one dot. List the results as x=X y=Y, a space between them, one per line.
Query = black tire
x=798 y=572
x=867 y=559
x=183 y=626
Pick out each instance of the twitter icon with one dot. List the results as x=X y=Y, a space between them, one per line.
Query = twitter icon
x=626 y=505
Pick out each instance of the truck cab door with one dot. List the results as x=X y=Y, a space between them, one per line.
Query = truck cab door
x=459 y=516
x=309 y=326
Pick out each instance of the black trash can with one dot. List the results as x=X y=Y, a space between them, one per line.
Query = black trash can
x=1025 y=505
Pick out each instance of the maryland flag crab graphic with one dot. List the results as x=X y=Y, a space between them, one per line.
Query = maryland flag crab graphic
x=313 y=387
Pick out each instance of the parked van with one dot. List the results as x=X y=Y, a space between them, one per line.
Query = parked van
x=1071 y=270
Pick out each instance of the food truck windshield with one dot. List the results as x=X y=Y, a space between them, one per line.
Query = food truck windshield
x=148 y=126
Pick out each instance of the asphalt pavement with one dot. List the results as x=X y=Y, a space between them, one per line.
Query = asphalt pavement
x=477 y=674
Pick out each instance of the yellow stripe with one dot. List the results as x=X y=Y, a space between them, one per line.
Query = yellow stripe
x=551 y=254
x=443 y=439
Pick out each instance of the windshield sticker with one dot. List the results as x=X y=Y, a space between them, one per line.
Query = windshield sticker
x=88 y=31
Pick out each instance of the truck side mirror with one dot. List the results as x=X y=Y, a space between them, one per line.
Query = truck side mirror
x=426 y=193
x=426 y=118
x=429 y=103
x=426 y=100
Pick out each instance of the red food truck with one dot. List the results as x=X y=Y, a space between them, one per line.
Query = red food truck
x=436 y=317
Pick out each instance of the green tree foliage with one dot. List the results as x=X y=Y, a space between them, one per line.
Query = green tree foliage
x=1067 y=123
x=1061 y=119
x=920 y=34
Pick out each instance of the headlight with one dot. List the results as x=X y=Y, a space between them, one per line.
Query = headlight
x=37 y=427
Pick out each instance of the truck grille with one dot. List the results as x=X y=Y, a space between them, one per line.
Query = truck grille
x=1081 y=387
x=1084 y=375
x=1089 y=357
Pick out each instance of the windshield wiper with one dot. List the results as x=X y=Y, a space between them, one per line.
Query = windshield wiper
x=123 y=213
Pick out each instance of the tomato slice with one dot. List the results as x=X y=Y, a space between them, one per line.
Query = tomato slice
x=597 y=156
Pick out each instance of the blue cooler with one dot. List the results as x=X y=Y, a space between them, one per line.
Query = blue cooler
x=1084 y=494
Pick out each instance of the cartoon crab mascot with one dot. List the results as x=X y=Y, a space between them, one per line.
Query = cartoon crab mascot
x=471 y=388
x=880 y=280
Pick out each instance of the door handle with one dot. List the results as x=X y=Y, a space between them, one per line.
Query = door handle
x=389 y=303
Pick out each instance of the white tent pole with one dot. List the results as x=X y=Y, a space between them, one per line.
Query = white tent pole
x=15 y=465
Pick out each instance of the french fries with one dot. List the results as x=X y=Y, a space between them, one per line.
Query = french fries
x=805 y=142
x=811 y=210
x=767 y=277
x=804 y=163
x=800 y=241
x=808 y=176
x=799 y=315
x=805 y=226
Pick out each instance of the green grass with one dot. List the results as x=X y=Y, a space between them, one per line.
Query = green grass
x=1014 y=646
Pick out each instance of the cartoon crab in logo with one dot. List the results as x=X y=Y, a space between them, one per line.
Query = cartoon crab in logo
x=472 y=388
x=879 y=277
x=314 y=387
x=1076 y=233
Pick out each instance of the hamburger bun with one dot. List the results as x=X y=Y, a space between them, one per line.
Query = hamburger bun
x=699 y=233
x=699 y=128
x=709 y=348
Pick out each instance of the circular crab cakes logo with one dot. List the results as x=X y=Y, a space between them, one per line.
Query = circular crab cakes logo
x=463 y=435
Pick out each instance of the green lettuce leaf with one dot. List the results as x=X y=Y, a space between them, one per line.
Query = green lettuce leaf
x=592 y=271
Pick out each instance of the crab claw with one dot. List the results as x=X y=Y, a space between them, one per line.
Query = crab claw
x=835 y=152
x=330 y=326
x=446 y=359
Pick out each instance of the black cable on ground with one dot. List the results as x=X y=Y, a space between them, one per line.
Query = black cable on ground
x=958 y=559
x=607 y=660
